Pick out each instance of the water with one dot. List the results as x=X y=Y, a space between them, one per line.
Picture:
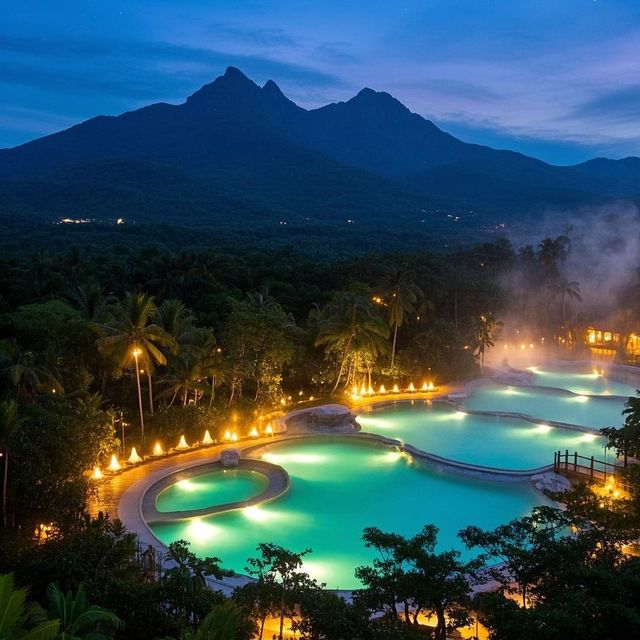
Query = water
x=586 y=382
x=587 y=411
x=488 y=441
x=210 y=489
x=338 y=488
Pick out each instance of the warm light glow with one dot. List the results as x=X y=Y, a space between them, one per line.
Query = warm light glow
x=234 y=437
x=134 y=458
x=425 y=387
x=256 y=514
x=182 y=444
x=96 y=474
x=114 y=465
x=382 y=389
x=370 y=390
x=157 y=449
x=253 y=433
x=411 y=387
x=269 y=430
x=227 y=435
x=207 y=439
x=430 y=386
x=136 y=352
x=396 y=389
x=589 y=437
x=363 y=390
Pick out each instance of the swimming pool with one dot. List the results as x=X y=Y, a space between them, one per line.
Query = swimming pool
x=488 y=441
x=586 y=380
x=211 y=488
x=547 y=404
x=339 y=487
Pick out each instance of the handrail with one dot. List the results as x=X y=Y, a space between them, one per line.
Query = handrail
x=587 y=467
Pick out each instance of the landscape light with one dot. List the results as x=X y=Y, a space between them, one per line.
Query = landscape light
x=157 y=449
x=134 y=458
x=382 y=389
x=114 y=465
x=234 y=437
x=96 y=474
x=396 y=389
x=411 y=386
x=253 y=433
x=227 y=435
x=182 y=444
x=207 y=439
x=269 y=430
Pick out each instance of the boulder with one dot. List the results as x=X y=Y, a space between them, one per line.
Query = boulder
x=550 y=481
x=230 y=457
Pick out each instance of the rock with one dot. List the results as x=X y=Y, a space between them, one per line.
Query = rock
x=230 y=457
x=550 y=481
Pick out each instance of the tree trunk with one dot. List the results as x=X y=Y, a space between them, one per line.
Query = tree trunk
x=262 y=621
x=344 y=360
x=441 y=628
x=393 y=347
x=5 y=479
x=140 y=407
x=284 y=588
x=150 y=391
x=213 y=391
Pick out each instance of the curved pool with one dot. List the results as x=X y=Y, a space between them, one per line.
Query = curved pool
x=488 y=441
x=547 y=404
x=586 y=380
x=338 y=488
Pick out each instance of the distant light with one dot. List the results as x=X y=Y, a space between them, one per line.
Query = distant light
x=96 y=474
x=182 y=444
x=134 y=458
x=157 y=449
x=254 y=433
x=207 y=439
x=269 y=430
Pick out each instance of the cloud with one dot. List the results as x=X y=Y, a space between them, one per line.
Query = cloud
x=620 y=105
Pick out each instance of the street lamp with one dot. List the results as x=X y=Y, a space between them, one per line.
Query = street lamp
x=136 y=354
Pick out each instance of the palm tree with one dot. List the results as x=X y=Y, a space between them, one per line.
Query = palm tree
x=567 y=289
x=10 y=422
x=347 y=324
x=130 y=340
x=487 y=333
x=402 y=295
x=78 y=619
x=19 y=368
x=551 y=251
x=91 y=301
x=223 y=622
x=19 y=620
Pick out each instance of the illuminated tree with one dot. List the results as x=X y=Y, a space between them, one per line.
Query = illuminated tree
x=402 y=295
x=487 y=332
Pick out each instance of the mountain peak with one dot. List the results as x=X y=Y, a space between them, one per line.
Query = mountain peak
x=271 y=88
x=232 y=85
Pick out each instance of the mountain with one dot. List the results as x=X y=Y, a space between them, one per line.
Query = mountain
x=244 y=156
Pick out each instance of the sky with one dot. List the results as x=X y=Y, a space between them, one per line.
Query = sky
x=557 y=79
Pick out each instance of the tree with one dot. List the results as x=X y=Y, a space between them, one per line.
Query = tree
x=19 y=368
x=347 y=325
x=567 y=290
x=226 y=621
x=552 y=251
x=78 y=618
x=19 y=620
x=625 y=441
x=184 y=583
x=278 y=572
x=409 y=571
x=130 y=339
x=487 y=332
x=10 y=421
x=402 y=294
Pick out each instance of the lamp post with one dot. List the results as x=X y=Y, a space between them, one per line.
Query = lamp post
x=136 y=354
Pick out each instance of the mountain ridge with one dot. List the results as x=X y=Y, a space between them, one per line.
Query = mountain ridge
x=249 y=147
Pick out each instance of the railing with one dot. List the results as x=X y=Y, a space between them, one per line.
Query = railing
x=587 y=468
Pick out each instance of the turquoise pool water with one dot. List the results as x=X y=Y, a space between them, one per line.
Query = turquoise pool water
x=585 y=381
x=337 y=489
x=210 y=489
x=593 y=412
x=482 y=440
